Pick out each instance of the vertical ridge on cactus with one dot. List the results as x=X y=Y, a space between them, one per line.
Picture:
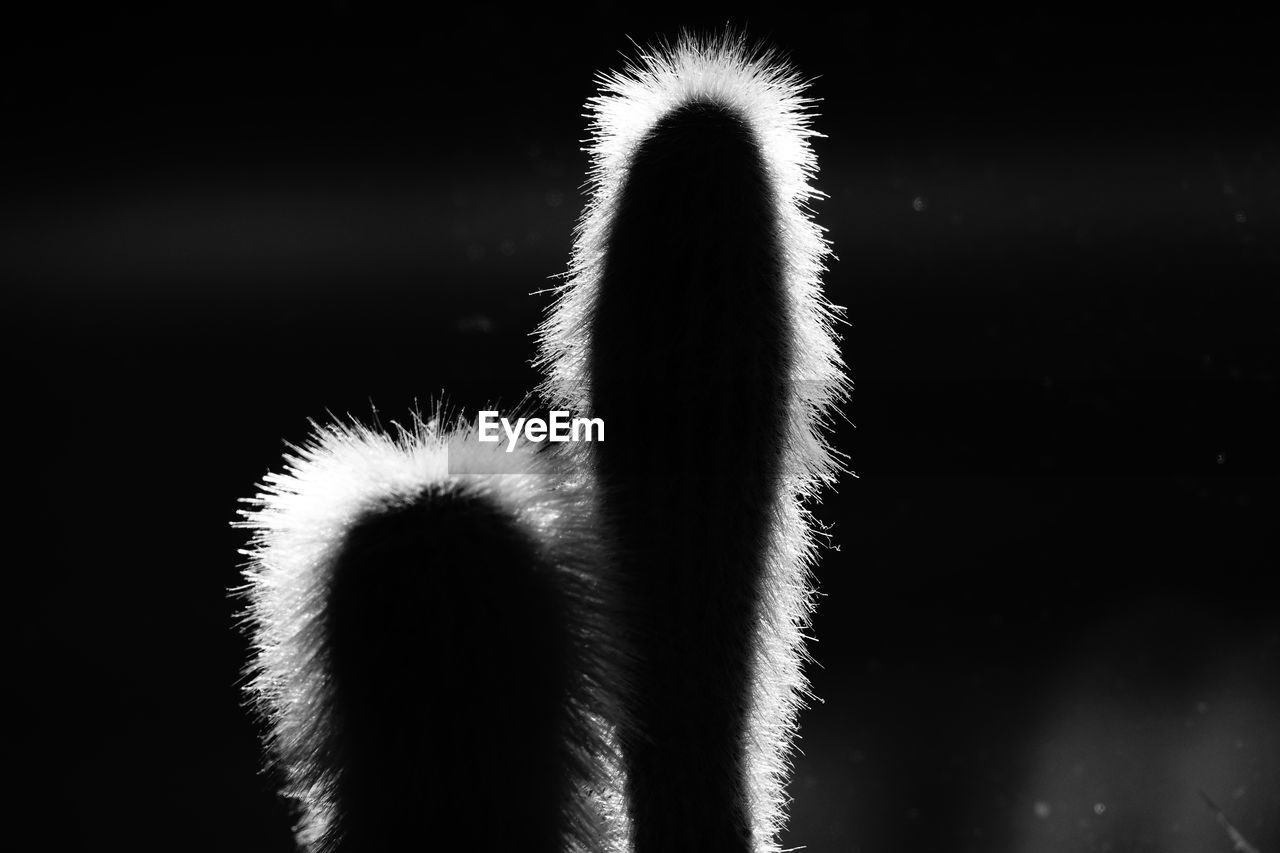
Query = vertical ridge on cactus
x=430 y=620
x=694 y=323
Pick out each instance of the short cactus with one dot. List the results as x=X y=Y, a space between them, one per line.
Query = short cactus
x=430 y=615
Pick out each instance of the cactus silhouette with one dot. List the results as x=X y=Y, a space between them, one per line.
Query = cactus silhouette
x=429 y=618
x=613 y=630
x=694 y=324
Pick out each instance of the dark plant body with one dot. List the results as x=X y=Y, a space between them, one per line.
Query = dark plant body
x=690 y=342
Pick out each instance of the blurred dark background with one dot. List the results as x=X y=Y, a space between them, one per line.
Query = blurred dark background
x=1051 y=618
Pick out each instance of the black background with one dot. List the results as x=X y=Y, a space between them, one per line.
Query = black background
x=1050 y=619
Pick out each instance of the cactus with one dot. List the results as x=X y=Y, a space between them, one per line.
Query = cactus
x=694 y=313
x=597 y=647
x=431 y=623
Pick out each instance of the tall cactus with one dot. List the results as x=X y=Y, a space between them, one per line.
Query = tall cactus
x=694 y=324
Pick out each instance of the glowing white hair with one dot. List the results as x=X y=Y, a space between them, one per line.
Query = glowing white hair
x=769 y=94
